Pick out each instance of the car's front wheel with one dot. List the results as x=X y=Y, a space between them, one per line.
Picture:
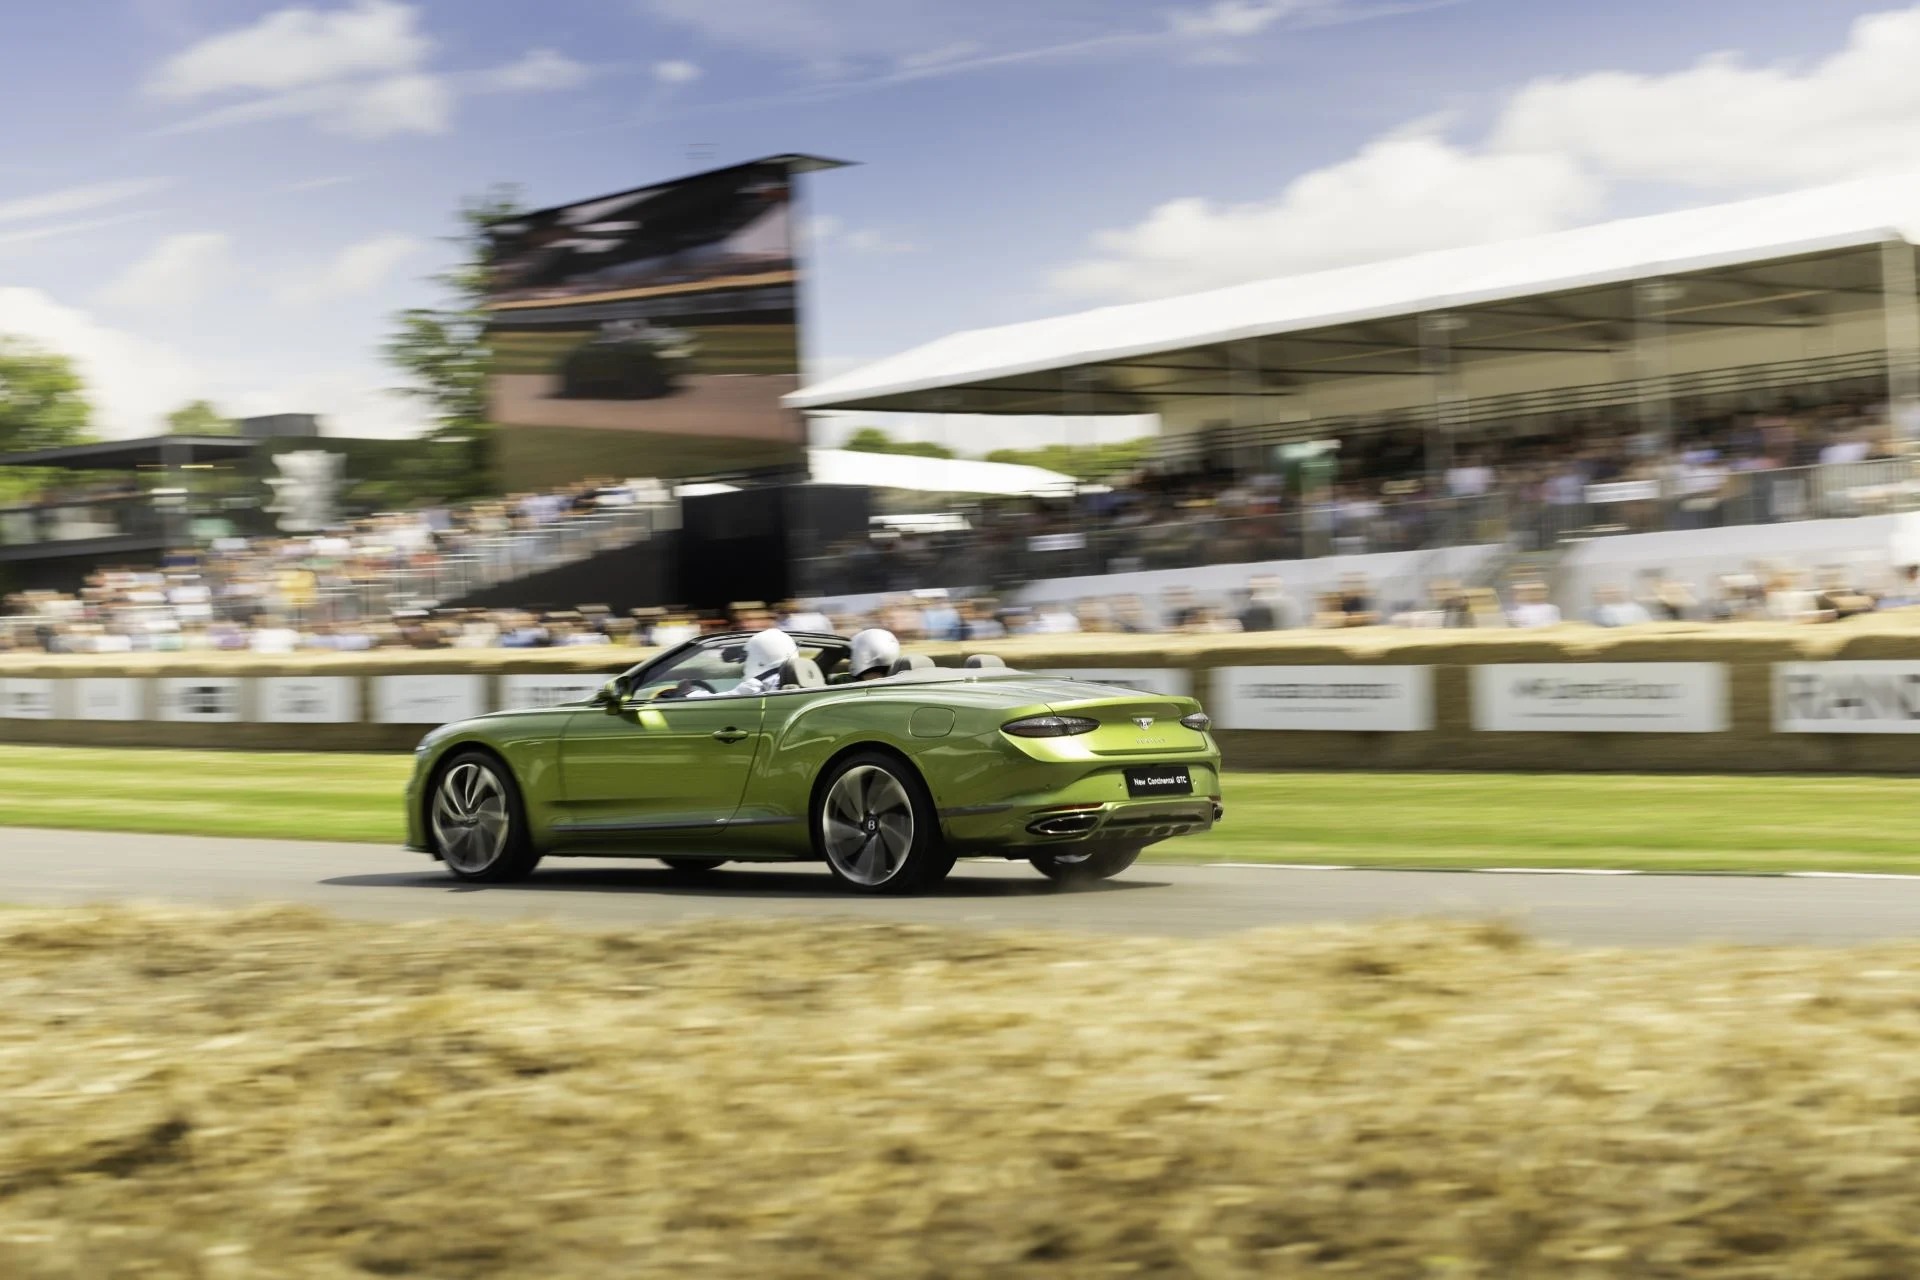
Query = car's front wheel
x=1084 y=866
x=874 y=824
x=478 y=824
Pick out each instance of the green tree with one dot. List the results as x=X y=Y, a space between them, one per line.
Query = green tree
x=198 y=418
x=43 y=404
x=1083 y=461
x=444 y=353
x=874 y=440
x=43 y=400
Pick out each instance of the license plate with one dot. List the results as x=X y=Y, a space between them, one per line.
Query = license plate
x=1159 y=780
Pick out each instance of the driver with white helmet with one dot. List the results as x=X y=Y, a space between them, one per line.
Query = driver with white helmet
x=874 y=652
x=767 y=653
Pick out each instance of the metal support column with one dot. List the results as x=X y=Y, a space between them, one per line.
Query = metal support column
x=1900 y=304
x=1446 y=404
x=1654 y=389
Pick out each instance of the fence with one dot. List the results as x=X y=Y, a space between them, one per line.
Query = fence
x=1733 y=699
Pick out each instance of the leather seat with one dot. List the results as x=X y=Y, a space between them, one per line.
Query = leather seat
x=911 y=662
x=979 y=661
x=802 y=673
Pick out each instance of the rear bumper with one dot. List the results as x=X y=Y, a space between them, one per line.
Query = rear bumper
x=1094 y=811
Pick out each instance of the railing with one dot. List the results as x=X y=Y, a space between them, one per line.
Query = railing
x=1000 y=556
x=1007 y=555
x=476 y=562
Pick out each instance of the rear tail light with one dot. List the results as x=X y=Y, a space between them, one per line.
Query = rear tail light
x=1049 y=726
x=1199 y=721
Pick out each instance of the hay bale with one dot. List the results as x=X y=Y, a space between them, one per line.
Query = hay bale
x=276 y=1093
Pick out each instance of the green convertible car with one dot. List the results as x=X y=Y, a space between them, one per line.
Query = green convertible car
x=887 y=781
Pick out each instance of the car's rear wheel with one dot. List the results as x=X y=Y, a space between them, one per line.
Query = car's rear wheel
x=1084 y=866
x=478 y=824
x=874 y=824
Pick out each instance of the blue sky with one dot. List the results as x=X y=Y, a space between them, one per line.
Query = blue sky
x=227 y=198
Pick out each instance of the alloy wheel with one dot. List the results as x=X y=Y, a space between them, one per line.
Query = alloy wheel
x=867 y=825
x=470 y=817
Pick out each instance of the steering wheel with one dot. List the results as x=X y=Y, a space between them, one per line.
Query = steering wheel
x=682 y=689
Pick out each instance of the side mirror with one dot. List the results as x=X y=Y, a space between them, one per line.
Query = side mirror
x=610 y=697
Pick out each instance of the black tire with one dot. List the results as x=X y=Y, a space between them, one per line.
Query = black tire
x=468 y=788
x=694 y=868
x=1069 y=866
x=875 y=827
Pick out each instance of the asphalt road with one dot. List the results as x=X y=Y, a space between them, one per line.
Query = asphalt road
x=377 y=882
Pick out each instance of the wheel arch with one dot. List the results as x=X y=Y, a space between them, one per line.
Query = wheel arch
x=832 y=762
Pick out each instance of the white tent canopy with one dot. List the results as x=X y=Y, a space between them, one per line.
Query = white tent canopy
x=932 y=475
x=1821 y=220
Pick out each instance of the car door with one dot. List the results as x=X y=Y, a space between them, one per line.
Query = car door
x=660 y=765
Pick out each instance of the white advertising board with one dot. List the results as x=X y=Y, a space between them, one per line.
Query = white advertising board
x=307 y=700
x=1846 y=697
x=427 y=699
x=107 y=698
x=1354 y=699
x=527 y=690
x=26 y=698
x=200 y=699
x=1169 y=682
x=1601 y=697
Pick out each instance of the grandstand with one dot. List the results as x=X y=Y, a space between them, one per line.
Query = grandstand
x=1451 y=387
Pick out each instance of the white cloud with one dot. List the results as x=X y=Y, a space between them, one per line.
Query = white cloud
x=175 y=274
x=356 y=270
x=825 y=229
x=132 y=381
x=358 y=72
x=1559 y=150
x=676 y=72
x=1401 y=194
x=946 y=53
x=296 y=48
x=1237 y=19
x=53 y=230
x=869 y=240
x=538 y=71
x=1722 y=123
x=95 y=195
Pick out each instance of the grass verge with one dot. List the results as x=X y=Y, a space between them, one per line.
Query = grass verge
x=279 y=1094
x=1651 y=822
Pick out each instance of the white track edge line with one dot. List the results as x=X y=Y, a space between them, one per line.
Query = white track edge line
x=1570 y=871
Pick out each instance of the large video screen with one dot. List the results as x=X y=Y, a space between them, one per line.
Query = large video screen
x=665 y=314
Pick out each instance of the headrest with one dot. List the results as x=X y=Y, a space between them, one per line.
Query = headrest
x=979 y=660
x=801 y=673
x=911 y=662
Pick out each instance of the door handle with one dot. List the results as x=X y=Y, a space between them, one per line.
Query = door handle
x=729 y=734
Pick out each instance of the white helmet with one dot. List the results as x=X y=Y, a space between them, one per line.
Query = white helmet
x=873 y=648
x=769 y=651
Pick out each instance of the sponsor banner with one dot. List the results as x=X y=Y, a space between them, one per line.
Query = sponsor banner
x=427 y=699
x=1354 y=699
x=1169 y=682
x=1601 y=697
x=307 y=700
x=1057 y=542
x=526 y=691
x=26 y=699
x=1846 y=697
x=107 y=698
x=203 y=699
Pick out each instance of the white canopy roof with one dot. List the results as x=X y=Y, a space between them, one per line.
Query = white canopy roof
x=932 y=475
x=1819 y=220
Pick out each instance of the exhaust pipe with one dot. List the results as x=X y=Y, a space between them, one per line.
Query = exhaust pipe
x=1064 y=824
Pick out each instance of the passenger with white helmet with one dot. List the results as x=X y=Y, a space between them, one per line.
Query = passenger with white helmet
x=768 y=653
x=874 y=652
